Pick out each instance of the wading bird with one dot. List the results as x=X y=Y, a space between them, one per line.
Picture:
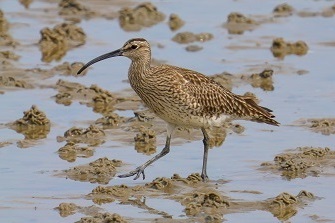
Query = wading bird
x=182 y=97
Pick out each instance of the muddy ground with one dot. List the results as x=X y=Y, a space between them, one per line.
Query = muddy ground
x=65 y=137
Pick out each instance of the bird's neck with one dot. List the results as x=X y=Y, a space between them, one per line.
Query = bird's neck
x=139 y=70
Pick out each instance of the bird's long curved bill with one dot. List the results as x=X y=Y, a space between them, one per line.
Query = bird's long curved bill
x=102 y=57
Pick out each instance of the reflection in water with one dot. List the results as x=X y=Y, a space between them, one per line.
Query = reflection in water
x=70 y=151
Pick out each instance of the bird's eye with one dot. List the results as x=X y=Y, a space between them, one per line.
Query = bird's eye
x=134 y=47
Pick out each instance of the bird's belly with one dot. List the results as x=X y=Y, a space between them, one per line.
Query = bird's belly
x=179 y=113
x=192 y=121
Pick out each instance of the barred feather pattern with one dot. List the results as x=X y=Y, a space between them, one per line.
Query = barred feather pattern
x=187 y=98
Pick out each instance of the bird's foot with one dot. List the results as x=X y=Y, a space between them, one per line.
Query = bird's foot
x=204 y=177
x=138 y=171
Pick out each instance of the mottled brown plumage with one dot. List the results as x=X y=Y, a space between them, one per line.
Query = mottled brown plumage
x=183 y=97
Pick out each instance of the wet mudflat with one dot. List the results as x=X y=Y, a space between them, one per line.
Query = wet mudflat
x=65 y=137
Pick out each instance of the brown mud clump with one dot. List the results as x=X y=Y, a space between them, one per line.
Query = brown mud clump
x=189 y=37
x=280 y=48
x=202 y=201
x=145 y=141
x=4 y=25
x=66 y=209
x=161 y=183
x=285 y=205
x=325 y=126
x=208 y=202
x=101 y=100
x=123 y=193
x=175 y=22
x=217 y=136
x=6 y=57
x=26 y=3
x=302 y=162
x=100 y=171
x=144 y=116
x=251 y=96
x=108 y=194
x=92 y=136
x=238 y=23
x=70 y=151
x=9 y=81
x=261 y=80
x=33 y=125
x=283 y=10
x=193 y=48
x=55 y=42
x=69 y=69
x=103 y=218
x=193 y=178
x=5 y=38
x=143 y=15
x=111 y=120
x=224 y=79
x=33 y=117
x=5 y=143
x=73 y=10
x=328 y=12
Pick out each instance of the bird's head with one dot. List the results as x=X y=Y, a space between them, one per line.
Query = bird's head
x=134 y=49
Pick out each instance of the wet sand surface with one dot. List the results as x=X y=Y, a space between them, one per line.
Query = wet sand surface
x=64 y=137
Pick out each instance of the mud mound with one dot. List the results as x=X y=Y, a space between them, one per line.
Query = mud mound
x=111 y=120
x=69 y=69
x=143 y=15
x=73 y=10
x=302 y=162
x=100 y=171
x=33 y=125
x=92 y=136
x=280 y=48
x=189 y=37
x=208 y=202
x=102 y=218
x=145 y=141
x=325 y=126
x=261 y=80
x=55 y=42
x=175 y=22
x=101 y=100
x=10 y=81
x=70 y=152
x=285 y=205
x=283 y=10
x=238 y=23
x=5 y=38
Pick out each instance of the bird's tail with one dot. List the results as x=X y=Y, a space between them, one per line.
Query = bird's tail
x=260 y=114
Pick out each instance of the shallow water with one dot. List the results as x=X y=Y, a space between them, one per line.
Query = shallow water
x=29 y=190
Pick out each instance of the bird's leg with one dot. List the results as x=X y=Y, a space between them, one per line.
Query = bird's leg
x=140 y=170
x=204 y=175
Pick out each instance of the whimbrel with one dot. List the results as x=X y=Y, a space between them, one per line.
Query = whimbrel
x=182 y=97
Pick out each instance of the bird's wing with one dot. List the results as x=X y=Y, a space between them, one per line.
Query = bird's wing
x=208 y=98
